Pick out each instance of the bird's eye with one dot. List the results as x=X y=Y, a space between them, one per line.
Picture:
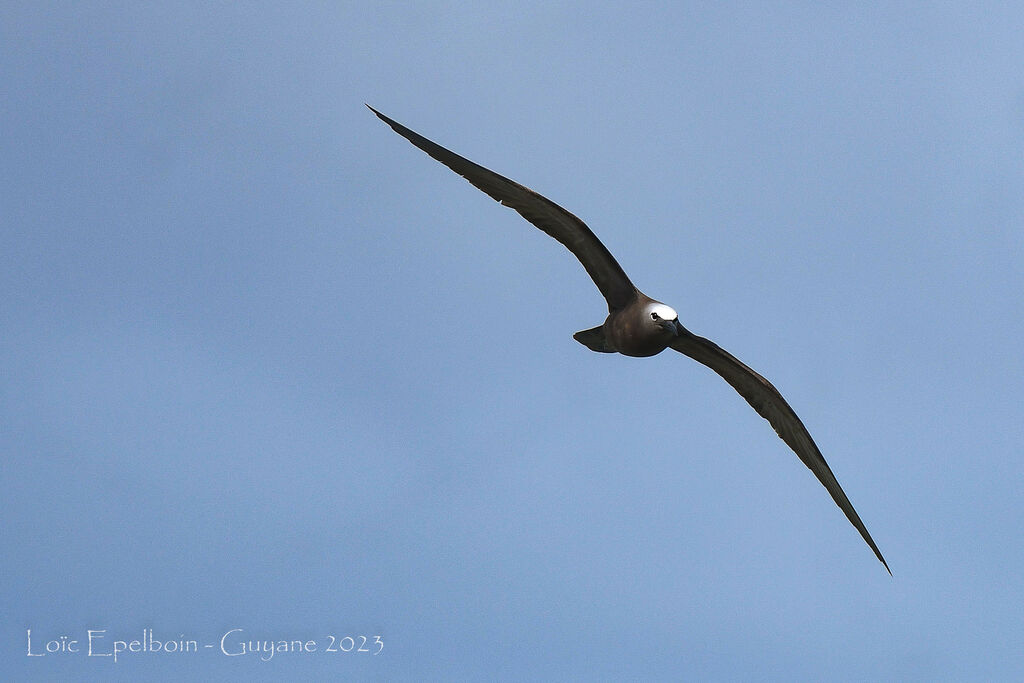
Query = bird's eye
x=654 y=316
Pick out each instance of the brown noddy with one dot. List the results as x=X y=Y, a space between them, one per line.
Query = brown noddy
x=637 y=325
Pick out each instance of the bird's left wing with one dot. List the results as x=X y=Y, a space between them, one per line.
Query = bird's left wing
x=602 y=267
x=770 y=405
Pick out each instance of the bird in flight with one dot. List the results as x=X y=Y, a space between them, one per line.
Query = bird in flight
x=637 y=325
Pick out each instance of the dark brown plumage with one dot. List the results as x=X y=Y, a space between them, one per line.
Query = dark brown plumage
x=638 y=325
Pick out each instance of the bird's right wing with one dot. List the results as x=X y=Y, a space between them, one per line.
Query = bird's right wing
x=602 y=267
x=770 y=405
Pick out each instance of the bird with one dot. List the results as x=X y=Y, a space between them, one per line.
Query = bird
x=638 y=325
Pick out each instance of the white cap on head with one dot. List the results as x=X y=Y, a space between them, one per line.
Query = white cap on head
x=664 y=312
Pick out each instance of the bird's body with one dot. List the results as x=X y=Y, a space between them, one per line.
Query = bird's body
x=642 y=328
x=637 y=325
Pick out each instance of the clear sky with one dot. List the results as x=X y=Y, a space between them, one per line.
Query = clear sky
x=268 y=367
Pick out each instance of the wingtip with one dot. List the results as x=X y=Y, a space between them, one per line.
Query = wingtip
x=881 y=559
x=875 y=550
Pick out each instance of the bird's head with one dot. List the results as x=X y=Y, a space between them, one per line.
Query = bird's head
x=664 y=318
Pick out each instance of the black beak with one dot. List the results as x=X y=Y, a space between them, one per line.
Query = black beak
x=672 y=326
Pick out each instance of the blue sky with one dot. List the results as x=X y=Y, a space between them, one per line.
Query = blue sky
x=269 y=367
